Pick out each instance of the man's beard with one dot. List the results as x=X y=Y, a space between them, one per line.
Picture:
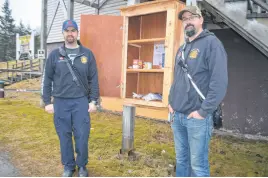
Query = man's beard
x=190 y=31
x=70 y=39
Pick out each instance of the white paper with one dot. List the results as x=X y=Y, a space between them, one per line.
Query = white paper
x=159 y=49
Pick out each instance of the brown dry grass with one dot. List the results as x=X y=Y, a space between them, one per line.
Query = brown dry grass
x=34 y=98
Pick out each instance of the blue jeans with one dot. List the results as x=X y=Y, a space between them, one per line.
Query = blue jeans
x=191 y=137
x=71 y=118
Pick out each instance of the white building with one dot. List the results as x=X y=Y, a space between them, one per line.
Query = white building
x=55 y=38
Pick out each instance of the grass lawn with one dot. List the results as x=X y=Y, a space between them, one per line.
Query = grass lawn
x=28 y=134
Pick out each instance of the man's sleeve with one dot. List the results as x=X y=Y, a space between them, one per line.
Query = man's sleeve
x=174 y=74
x=47 y=80
x=217 y=61
x=93 y=79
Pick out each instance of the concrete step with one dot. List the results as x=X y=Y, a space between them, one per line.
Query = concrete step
x=234 y=15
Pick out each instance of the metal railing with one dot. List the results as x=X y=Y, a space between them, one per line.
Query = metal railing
x=257 y=9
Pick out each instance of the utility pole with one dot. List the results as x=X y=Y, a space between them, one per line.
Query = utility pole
x=43 y=42
x=70 y=10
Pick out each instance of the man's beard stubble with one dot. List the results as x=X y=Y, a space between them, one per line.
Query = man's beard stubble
x=191 y=31
x=70 y=39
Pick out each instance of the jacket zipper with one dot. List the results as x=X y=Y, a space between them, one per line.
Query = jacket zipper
x=75 y=57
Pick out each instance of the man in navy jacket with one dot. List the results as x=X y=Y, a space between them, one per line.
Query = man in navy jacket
x=75 y=90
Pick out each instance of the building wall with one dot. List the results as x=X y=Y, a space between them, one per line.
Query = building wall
x=111 y=7
x=52 y=46
x=245 y=105
x=55 y=34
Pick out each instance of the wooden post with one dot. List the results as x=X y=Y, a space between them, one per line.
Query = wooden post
x=12 y=77
x=7 y=70
x=31 y=68
x=40 y=64
x=21 y=69
x=16 y=68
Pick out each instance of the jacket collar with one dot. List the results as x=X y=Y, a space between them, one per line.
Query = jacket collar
x=62 y=49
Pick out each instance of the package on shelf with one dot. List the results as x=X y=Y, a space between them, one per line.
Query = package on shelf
x=147 y=65
x=152 y=96
x=135 y=95
x=148 y=97
x=137 y=64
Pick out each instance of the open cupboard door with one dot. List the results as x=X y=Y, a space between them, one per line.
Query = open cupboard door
x=104 y=36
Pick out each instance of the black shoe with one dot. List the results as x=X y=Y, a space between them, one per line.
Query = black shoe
x=82 y=172
x=67 y=173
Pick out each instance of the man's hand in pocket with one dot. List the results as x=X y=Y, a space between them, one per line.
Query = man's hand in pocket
x=195 y=115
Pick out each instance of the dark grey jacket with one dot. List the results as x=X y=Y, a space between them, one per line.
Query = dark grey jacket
x=56 y=73
x=207 y=63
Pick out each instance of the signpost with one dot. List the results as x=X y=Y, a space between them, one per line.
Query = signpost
x=41 y=54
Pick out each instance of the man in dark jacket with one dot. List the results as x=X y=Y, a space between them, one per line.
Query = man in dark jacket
x=191 y=120
x=75 y=90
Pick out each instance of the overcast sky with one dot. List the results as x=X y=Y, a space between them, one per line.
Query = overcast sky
x=29 y=11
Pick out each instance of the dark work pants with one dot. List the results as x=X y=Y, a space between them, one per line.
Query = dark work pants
x=71 y=117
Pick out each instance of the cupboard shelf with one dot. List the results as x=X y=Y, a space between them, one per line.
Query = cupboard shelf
x=157 y=104
x=145 y=70
x=147 y=41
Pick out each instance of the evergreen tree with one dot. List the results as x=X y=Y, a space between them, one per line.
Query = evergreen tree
x=22 y=30
x=28 y=29
x=7 y=34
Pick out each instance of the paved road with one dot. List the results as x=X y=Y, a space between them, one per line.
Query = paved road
x=6 y=168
